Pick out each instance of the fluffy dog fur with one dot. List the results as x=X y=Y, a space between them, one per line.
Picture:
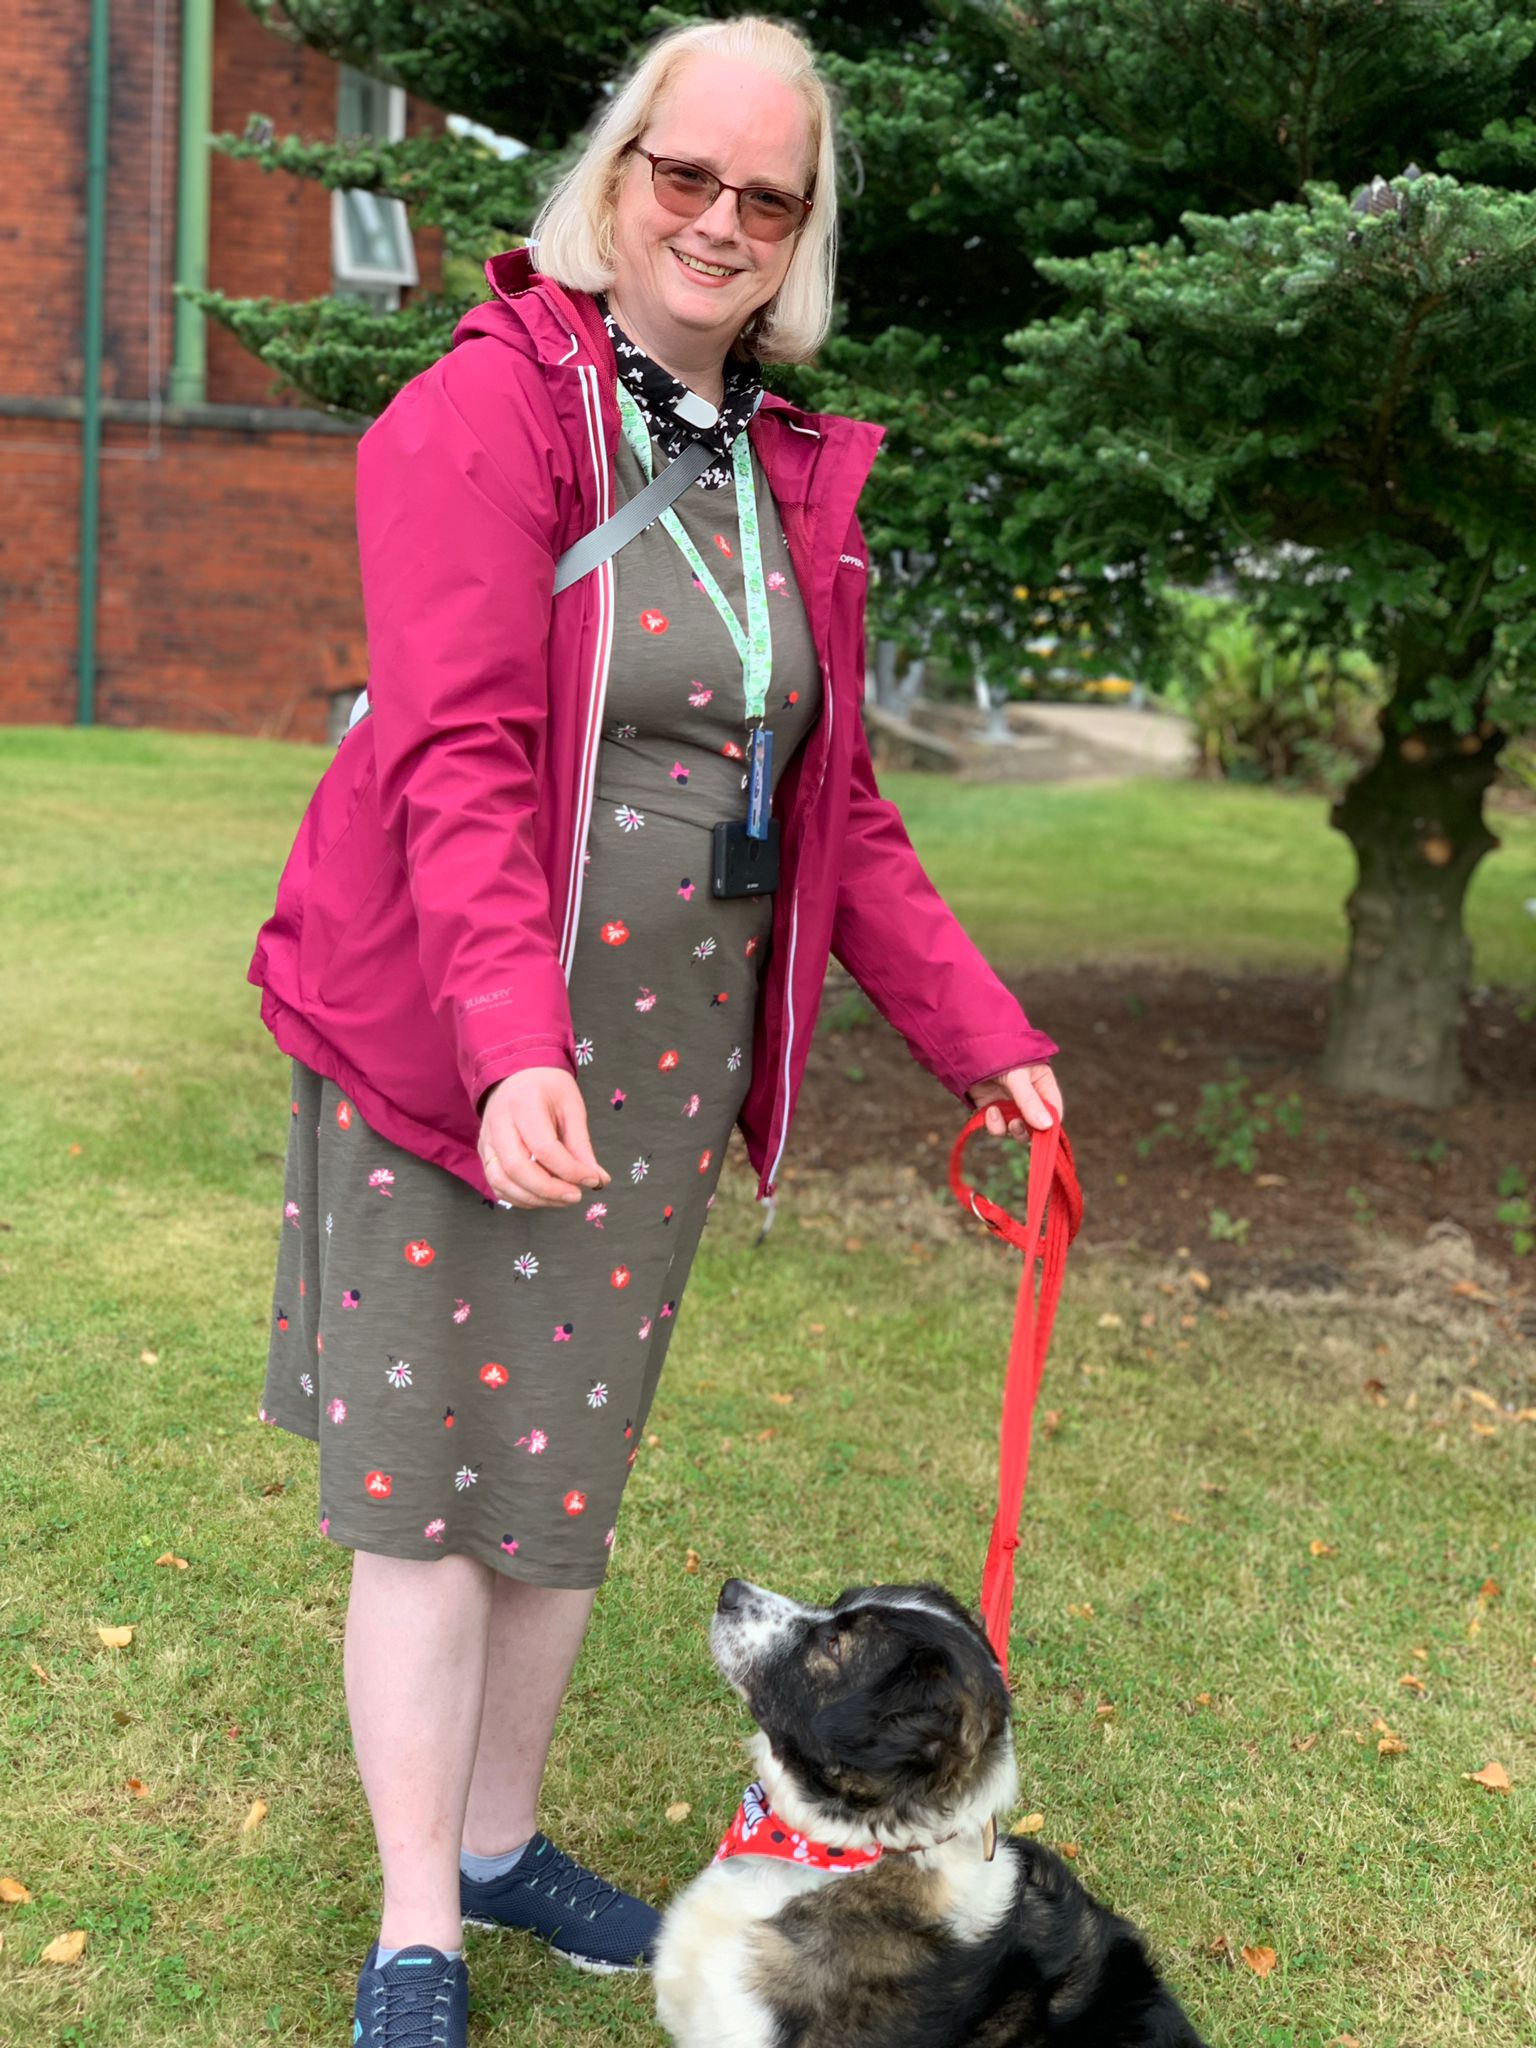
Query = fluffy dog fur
x=885 y=1719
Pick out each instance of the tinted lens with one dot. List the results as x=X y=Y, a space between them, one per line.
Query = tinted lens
x=684 y=188
x=770 y=214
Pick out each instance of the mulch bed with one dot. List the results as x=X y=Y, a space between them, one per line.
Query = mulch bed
x=1138 y=1045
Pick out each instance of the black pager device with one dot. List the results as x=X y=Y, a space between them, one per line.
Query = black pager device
x=744 y=866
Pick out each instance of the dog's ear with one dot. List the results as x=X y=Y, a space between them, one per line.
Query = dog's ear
x=956 y=1720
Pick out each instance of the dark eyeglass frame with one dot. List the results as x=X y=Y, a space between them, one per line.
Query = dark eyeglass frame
x=720 y=185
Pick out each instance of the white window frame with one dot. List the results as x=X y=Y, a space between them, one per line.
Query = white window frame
x=345 y=270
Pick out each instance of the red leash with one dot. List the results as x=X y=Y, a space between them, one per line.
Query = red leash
x=1053 y=1213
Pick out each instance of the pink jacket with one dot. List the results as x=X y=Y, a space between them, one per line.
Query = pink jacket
x=421 y=944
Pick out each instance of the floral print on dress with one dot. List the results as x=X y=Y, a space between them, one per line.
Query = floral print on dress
x=475 y=1399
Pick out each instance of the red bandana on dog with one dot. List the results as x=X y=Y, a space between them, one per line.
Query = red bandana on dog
x=755 y=1832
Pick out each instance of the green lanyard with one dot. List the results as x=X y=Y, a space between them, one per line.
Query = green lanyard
x=754 y=644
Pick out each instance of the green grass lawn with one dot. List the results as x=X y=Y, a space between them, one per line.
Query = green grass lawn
x=1235 y=1797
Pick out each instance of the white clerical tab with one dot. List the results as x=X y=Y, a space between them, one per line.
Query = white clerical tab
x=695 y=411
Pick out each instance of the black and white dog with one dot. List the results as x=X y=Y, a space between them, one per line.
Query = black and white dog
x=863 y=1898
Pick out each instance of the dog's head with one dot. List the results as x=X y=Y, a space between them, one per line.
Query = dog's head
x=883 y=1718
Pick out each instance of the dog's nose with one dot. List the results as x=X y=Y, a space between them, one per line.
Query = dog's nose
x=733 y=1594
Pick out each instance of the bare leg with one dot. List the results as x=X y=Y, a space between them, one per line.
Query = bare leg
x=414 y=1663
x=535 y=1634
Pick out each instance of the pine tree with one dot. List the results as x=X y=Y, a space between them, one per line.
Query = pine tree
x=1144 y=290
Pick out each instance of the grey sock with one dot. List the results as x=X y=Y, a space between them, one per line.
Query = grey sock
x=386 y=1955
x=481 y=1869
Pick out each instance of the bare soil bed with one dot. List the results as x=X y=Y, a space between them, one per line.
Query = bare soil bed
x=1332 y=1188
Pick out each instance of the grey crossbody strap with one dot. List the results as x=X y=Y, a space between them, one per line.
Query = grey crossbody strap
x=633 y=518
x=596 y=547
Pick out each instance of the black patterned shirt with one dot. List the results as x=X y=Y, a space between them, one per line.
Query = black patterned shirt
x=656 y=391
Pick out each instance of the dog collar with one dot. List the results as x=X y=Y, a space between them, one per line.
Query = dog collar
x=757 y=1831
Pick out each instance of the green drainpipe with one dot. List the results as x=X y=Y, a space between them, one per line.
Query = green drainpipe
x=90 y=408
x=189 y=355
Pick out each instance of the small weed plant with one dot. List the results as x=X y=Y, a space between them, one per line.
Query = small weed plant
x=1516 y=1213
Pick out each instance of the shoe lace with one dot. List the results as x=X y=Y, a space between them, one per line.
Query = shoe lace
x=570 y=1885
x=410 y=2014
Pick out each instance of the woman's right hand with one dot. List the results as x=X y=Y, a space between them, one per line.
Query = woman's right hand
x=533 y=1140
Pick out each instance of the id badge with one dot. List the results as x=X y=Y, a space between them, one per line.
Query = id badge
x=759 y=781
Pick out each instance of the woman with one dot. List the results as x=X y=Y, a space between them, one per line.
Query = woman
x=522 y=1024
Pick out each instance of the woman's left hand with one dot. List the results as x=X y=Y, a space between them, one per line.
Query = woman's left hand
x=1029 y=1093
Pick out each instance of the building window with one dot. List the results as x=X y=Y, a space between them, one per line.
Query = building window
x=372 y=254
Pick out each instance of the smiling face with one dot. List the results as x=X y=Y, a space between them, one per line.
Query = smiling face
x=749 y=129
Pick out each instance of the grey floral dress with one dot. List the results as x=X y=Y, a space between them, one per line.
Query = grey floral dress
x=478 y=1377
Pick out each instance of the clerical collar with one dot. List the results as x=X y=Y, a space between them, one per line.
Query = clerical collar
x=658 y=393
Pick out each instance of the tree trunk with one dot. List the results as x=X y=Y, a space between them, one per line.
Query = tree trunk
x=1415 y=820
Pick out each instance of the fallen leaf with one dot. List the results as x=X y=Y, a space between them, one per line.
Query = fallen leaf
x=1474 y=1626
x=766 y=1436
x=1412 y=1680
x=13 y=1892
x=74 y=1151
x=1470 y=1291
x=1050 y=1421
x=1202 y=1699
x=1221 y=1946
x=1490 y=1589
x=65 y=1948
x=691 y=1561
x=1071 y=1850
x=1110 y=1321
x=116 y=1638
x=653 y=1442
x=1345 y=2041
x=1082 y=1611
x=137 y=1787
x=817 y=1329
x=1494 y=1776
x=1484 y=1428
x=1320 y=1549
x=853 y=1244
x=255 y=1817
x=1148 y=1318
x=1103 y=1713
x=679 y=1810
x=1380 y=1727
x=39 y=1672
x=149 y=1358
x=1482 y=1398
x=1269 y=1180
x=1260 y=1960
x=1198 y=1279
x=1391 y=1745
x=170 y=1557
x=1031 y=1824
x=782 y=1400
x=1209 y=1487
x=1178 y=1515
x=1302 y=1743
x=1189 y=1322
x=1422 y=1655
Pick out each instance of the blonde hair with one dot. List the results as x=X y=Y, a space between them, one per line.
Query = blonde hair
x=572 y=239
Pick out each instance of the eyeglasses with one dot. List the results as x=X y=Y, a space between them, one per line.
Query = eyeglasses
x=689 y=190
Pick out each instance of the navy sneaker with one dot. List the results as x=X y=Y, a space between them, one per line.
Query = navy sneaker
x=584 y=1919
x=419 y=1999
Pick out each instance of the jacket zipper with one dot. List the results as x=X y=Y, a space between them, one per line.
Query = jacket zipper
x=592 y=403
x=781 y=1102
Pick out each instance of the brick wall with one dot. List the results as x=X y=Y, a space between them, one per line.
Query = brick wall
x=228 y=597
x=228 y=593
x=272 y=233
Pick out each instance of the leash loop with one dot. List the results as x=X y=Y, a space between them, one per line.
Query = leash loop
x=1053 y=1215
